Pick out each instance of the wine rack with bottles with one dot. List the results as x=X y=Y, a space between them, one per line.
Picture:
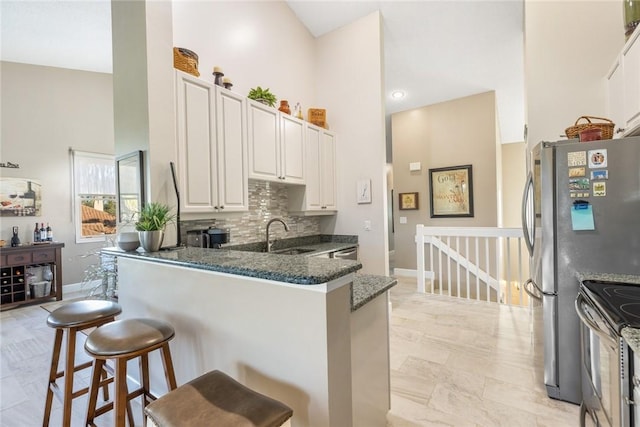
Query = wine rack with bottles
x=15 y=265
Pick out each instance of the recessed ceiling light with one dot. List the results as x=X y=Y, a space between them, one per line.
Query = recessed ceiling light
x=397 y=94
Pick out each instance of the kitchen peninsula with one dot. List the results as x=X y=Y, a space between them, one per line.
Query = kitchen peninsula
x=306 y=331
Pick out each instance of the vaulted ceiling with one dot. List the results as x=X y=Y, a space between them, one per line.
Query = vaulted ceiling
x=434 y=50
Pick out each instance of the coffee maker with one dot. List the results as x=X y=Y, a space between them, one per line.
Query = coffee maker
x=208 y=238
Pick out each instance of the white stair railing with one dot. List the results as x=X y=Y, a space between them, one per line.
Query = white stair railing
x=482 y=263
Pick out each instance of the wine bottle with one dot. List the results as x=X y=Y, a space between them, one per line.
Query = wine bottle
x=49 y=233
x=36 y=234
x=43 y=233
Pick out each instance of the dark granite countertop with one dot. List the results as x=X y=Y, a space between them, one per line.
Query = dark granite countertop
x=366 y=287
x=632 y=337
x=610 y=277
x=297 y=269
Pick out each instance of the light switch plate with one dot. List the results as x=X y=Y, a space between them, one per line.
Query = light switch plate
x=415 y=166
x=367 y=225
x=403 y=220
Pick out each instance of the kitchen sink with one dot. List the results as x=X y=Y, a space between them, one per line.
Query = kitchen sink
x=293 y=251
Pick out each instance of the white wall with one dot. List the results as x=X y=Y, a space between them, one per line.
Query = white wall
x=351 y=88
x=45 y=111
x=256 y=43
x=569 y=47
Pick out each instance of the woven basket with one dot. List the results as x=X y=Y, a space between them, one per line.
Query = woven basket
x=185 y=60
x=607 y=128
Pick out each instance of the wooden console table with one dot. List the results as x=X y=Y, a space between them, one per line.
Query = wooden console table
x=17 y=262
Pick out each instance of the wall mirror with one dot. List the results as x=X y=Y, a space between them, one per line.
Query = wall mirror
x=130 y=186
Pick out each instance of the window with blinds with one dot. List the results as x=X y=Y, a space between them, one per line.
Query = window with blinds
x=94 y=186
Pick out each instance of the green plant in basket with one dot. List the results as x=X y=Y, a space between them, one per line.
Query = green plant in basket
x=262 y=95
x=154 y=216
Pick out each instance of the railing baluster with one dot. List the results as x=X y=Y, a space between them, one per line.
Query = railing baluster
x=468 y=256
x=433 y=272
x=420 y=256
x=458 y=265
x=508 y=257
x=488 y=267
x=449 y=265
x=440 y=267
x=477 y=268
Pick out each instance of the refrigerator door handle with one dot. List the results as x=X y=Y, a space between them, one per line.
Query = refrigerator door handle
x=528 y=214
x=535 y=292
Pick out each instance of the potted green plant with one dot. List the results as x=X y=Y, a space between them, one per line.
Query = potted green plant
x=152 y=220
x=262 y=95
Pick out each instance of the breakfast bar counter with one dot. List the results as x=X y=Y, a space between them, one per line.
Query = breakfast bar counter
x=306 y=331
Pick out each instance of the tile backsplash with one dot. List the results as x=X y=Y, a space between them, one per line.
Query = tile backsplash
x=267 y=200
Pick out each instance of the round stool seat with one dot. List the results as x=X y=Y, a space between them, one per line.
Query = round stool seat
x=78 y=313
x=126 y=336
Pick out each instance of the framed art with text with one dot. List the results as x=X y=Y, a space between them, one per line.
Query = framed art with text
x=451 y=191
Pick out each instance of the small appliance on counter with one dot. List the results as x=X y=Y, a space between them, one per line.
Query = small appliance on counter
x=208 y=238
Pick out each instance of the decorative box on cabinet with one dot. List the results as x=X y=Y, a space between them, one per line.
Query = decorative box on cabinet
x=276 y=145
x=15 y=263
x=212 y=147
x=318 y=197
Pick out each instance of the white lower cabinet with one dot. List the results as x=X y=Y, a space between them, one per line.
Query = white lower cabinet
x=318 y=197
x=276 y=145
x=211 y=147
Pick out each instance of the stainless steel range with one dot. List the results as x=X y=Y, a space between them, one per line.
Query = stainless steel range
x=604 y=309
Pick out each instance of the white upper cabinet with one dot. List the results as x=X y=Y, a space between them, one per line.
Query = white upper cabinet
x=211 y=147
x=615 y=101
x=623 y=89
x=318 y=197
x=631 y=62
x=292 y=149
x=231 y=124
x=276 y=145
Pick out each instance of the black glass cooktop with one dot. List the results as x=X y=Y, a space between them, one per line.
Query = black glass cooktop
x=619 y=302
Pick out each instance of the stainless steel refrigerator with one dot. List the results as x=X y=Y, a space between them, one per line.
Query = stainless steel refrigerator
x=581 y=214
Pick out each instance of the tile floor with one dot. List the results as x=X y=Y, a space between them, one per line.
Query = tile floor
x=453 y=363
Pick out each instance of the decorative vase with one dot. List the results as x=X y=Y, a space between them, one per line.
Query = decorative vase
x=284 y=107
x=151 y=241
x=128 y=240
x=631 y=16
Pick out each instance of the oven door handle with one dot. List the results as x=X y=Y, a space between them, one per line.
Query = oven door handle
x=590 y=323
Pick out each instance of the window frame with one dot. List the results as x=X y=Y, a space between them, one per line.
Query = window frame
x=78 y=197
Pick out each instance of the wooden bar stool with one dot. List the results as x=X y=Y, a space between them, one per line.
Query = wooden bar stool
x=216 y=399
x=122 y=341
x=73 y=317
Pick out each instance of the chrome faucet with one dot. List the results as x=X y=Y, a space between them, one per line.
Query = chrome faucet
x=286 y=228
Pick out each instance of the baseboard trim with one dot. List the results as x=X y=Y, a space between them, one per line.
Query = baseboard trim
x=407 y=272
x=72 y=287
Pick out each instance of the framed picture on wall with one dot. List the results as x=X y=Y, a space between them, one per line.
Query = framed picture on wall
x=408 y=201
x=451 y=191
